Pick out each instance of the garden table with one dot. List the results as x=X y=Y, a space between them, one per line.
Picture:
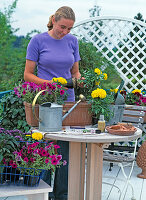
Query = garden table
x=77 y=153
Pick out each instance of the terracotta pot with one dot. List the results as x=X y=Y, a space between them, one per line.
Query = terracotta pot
x=30 y=118
x=141 y=160
x=80 y=116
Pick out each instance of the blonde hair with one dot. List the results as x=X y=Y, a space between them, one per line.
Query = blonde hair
x=63 y=12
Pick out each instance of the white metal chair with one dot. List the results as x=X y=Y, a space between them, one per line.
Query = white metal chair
x=123 y=157
x=124 y=154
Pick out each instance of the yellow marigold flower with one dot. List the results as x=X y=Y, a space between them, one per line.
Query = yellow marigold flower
x=96 y=70
x=98 y=93
x=60 y=80
x=97 y=82
x=54 y=79
x=37 y=136
x=136 y=90
x=105 y=76
x=115 y=90
x=102 y=93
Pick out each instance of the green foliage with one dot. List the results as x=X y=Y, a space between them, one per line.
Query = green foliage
x=8 y=145
x=13 y=115
x=12 y=56
x=101 y=106
x=91 y=59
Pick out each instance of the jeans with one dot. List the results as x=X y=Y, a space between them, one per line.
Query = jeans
x=60 y=189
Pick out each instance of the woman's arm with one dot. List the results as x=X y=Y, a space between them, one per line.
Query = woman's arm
x=75 y=71
x=29 y=73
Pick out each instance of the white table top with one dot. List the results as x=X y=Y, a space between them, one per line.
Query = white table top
x=76 y=135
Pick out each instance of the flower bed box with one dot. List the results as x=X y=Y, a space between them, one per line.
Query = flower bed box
x=80 y=116
x=30 y=118
x=20 y=176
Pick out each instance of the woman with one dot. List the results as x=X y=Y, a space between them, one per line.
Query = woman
x=56 y=54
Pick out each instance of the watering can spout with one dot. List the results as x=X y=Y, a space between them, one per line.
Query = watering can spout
x=81 y=98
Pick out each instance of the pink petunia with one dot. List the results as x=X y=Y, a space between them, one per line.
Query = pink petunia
x=59 y=157
x=56 y=146
x=26 y=159
x=46 y=161
x=64 y=162
x=19 y=154
x=51 y=142
x=47 y=155
x=44 y=153
x=24 y=92
x=29 y=151
x=32 y=160
x=54 y=161
x=11 y=162
x=14 y=165
x=53 y=156
x=62 y=92
x=59 y=86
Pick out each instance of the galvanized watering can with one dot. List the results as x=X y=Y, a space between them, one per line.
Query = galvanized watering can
x=50 y=114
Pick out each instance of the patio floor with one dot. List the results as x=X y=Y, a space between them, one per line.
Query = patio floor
x=109 y=193
x=139 y=185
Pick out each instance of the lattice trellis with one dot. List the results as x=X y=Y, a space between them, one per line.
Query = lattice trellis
x=123 y=42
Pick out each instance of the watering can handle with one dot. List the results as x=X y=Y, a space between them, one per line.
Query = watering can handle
x=34 y=102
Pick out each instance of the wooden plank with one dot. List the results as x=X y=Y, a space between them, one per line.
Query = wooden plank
x=76 y=171
x=107 y=189
x=139 y=185
x=133 y=107
x=132 y=119
x=94 y=171
x=134 y=113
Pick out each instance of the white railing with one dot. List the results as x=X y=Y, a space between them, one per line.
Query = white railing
x=122 y=41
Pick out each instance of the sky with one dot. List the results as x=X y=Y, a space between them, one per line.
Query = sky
x=34 y=14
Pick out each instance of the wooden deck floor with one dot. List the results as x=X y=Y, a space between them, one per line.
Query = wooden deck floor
x=112 y=193
x=139 y=185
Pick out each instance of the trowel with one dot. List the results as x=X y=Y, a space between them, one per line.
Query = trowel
x=119 y=99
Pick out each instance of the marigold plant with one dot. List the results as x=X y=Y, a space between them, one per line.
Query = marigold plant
x=99 y=98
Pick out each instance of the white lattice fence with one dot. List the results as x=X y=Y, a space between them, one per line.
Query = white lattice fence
x=123 y=42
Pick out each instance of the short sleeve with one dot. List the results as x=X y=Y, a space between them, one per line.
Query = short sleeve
x=76 y=51
x=32 y=52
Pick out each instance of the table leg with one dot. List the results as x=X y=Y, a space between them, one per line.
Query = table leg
x=39 y=196
x=76 y=175
x=94 y=171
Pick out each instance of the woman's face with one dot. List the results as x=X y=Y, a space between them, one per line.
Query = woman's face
x=61 y=27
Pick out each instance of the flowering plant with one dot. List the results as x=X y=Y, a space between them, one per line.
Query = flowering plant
x=53 y=92
x=136 y=97
x=99 y=98
x=34 y=153
x=7 y=145
x=37 y=155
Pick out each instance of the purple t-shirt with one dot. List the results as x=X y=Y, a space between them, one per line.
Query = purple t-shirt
x=54 y=57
